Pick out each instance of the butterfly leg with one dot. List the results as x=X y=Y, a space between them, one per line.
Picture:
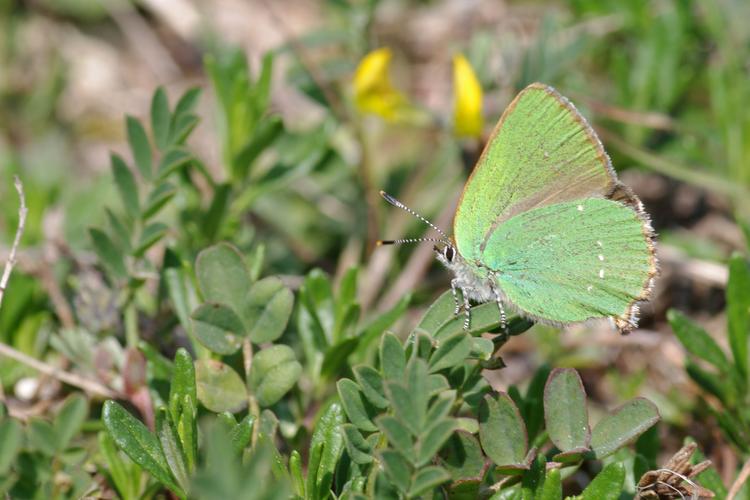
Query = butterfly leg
x=498 y=299
x=454 y=288
x=467 y=309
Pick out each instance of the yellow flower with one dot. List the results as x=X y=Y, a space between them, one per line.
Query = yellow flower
x=467 y=95
x=373 y=91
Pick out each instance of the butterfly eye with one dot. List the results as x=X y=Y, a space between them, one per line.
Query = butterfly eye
x=449 y=253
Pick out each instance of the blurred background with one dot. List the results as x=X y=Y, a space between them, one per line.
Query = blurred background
x=308 y=108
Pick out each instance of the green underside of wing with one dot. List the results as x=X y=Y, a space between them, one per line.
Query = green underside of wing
x=542 y=152
x=571 y=261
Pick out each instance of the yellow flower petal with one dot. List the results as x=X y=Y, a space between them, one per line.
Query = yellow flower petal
x=467 y=95
x=373 y=91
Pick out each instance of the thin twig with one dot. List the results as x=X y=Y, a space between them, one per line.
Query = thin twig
x=22 y=212
x=5 y=350
x=741 y=478
x=91 y=386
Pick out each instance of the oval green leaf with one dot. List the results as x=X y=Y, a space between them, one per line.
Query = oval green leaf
x=219 y=387
x=565 y=410
x=273 y=373
x=622 y=426
x=267 y=308
x=222 y=275
x=502 y=431
x=218 y=328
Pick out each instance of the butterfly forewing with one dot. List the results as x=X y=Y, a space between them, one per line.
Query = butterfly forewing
x=541 y=152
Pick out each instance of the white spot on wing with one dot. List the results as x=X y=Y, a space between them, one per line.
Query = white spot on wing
x=601 y=273
x=601 y=257
x=589 y=288
x=599 y=244
x=580 y=208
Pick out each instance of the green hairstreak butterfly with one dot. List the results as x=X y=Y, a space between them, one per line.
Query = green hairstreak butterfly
x=544 y=226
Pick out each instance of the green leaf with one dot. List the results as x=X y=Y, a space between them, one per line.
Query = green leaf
x=738 y=311
x=710 y=382
x=434 y=439
x=428 y=479
x=565 y=410
x=327 y=433
x=484 y=318
x=241 y=433
x=441 y=406
x=502 y=431
x=159 y=197
x=438 y=313
x=151 y=235
x=267 y=309
x=160 y=118
x=451 y=351
x=42 y=436
x=187 y=430
x=264 y=135
x=176 y=283
x=295 y=470
x=273 y=373
x=406 y=406
x=140 y=147
x=171 y=161
x=187 y=103
x=371 y=384
x=392 y=357
x=396 y=468
x=222 y=275
x=697 y=341
x=120 y=229
x=11 y=438
x=125 y=475
x=357 y=446
x=607 y=485
x=354 y=404
x=219 y=387
x=138 y=443
x=551 y=488
x=462 y=456
x=70 y=419
x=171 y=447
x=622 y=426
x=183 y=382
x=111 y=256
x=126 y=185
x=218 y=328
x=398 y=436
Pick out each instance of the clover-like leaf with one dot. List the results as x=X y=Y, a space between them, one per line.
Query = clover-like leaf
x=273 y=373
x=565 y=411
x=502 y=431
x=267 y=308
x=218 y=327
x=462 y=456
x=219 y=387
x=622 y=426
x=222 y=275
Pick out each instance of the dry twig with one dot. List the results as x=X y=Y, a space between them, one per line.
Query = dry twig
x=91 y=386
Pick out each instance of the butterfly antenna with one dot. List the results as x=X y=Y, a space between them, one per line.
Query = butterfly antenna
x=408 y=240
x=393 y=201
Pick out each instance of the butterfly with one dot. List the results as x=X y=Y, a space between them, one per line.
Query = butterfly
x=544 y=226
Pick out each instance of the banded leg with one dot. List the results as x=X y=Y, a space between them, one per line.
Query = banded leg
x=454 y=287
x=467 y=309
x=498 y=299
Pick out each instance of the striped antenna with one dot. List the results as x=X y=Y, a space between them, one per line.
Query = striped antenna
x=393 y=201
x=408 y=240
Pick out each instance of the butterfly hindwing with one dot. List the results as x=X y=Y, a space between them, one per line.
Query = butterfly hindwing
x=573 y=261
x=541 y=152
